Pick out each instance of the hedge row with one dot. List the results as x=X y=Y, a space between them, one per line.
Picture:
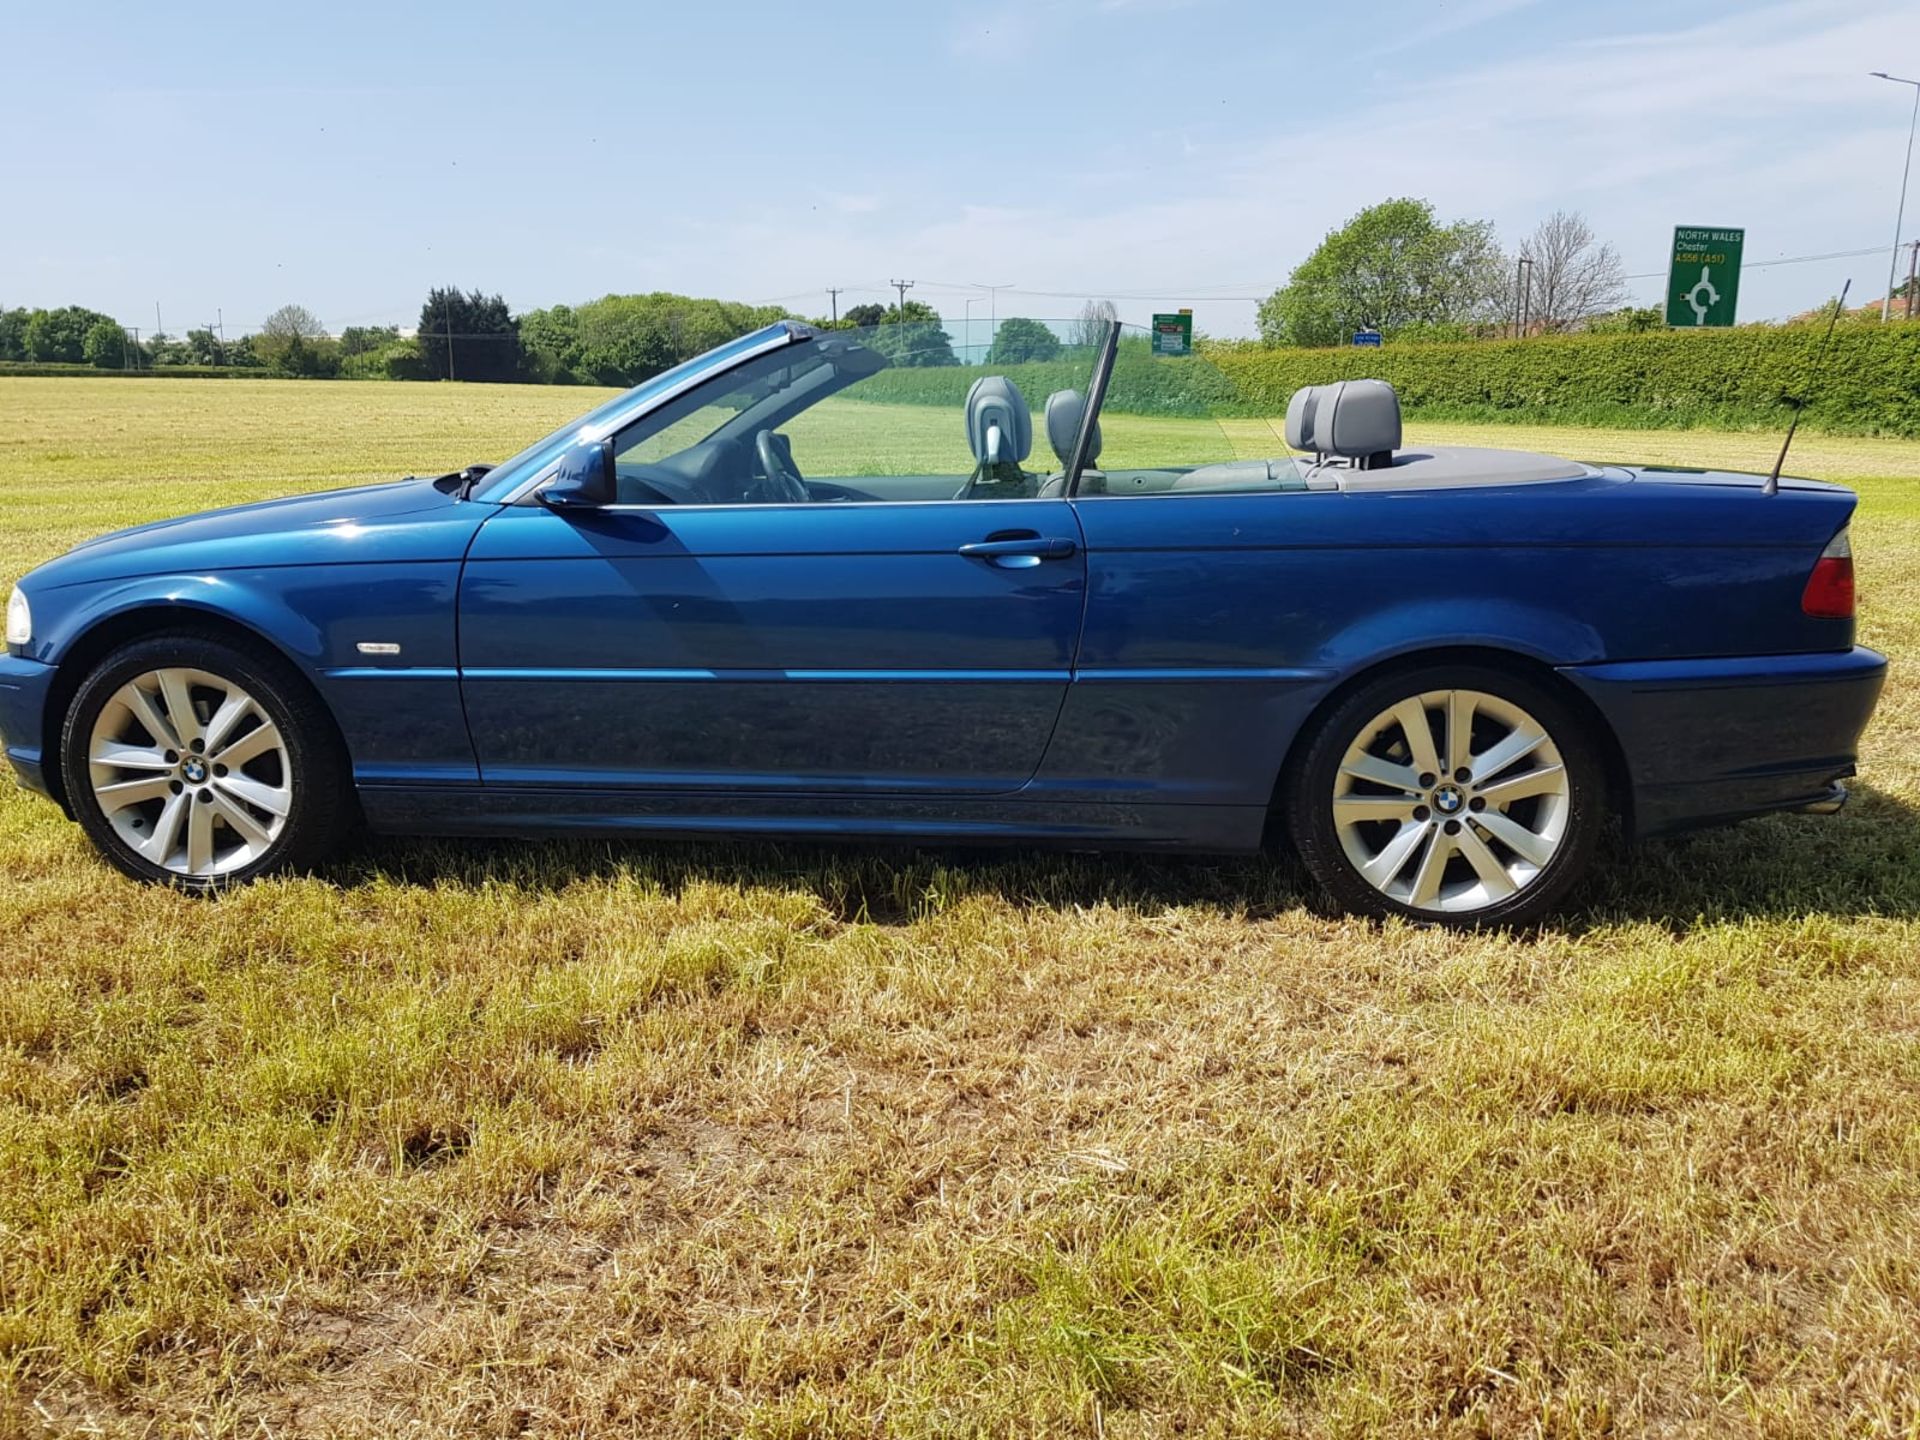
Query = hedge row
x=161 y=372
x=1869 y=382
x=1141 y=385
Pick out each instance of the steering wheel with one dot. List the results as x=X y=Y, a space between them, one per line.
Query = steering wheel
x=783 y=483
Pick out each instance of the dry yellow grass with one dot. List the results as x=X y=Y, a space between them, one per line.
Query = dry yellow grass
x=569 y=1140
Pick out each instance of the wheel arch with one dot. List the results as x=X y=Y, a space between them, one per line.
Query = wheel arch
x=1617 y=777
x=139 y=622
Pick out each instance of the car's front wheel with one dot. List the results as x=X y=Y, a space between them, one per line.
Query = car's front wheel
x=192 y=762
x=1458 y=795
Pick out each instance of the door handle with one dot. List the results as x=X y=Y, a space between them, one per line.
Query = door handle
x=1020 y=553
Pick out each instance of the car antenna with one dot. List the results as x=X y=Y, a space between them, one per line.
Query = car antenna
x=1772 y=487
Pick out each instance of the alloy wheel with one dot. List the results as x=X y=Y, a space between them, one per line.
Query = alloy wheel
x=1451 y=801
x=191 y=771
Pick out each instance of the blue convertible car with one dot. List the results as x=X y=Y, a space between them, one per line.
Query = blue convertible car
x=778 y=590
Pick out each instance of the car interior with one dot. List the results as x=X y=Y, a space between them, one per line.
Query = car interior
x=1348 y=435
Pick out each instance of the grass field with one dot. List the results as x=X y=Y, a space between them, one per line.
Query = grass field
x=570 y=1140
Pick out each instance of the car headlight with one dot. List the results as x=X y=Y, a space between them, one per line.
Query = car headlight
x=19 y=618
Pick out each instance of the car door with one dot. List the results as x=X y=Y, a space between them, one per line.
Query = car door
x=850 y=642
x=1210 y=589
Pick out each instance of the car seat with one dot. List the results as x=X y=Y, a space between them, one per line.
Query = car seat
x=1065 y=410
x=1000 y=434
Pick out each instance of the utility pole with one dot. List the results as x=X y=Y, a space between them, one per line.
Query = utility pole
x=446 y=322
x=1522 y=293
x=833 y=294
x=136 y=342
x=158 y=328
x=220 y=324
x=1913 y=270
x=993 y=305
x=903 y=286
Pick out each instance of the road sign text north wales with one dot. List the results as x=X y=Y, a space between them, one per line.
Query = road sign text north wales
x=1703 y=277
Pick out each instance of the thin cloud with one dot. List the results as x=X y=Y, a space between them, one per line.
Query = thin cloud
x=1451 y=20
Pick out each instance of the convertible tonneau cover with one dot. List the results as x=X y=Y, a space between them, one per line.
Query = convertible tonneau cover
x=1456 y=466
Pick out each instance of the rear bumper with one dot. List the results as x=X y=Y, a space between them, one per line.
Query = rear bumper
x=1707 y=741
x=23 y=708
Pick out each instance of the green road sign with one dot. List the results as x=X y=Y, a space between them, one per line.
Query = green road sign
x=1173 y=334
x=1703 y=278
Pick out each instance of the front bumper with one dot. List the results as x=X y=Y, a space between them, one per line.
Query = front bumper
x=1707 y=741
x=23 y=709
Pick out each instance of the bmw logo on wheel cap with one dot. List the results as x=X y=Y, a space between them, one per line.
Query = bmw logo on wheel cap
x=1447 y=799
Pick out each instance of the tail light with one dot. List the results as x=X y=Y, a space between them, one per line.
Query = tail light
x=1829 y=592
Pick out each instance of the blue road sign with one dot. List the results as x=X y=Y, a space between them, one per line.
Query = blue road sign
x=1366 y=337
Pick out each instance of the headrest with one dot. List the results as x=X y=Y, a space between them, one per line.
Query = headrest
x=1065 y=410
x=999 y=427
x=1357 y=419
x=1301 y=410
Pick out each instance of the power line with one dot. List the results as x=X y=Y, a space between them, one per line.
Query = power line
x=1201 y=292
x=1209 y=293
x=1763 y=264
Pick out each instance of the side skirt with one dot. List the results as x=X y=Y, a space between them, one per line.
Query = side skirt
x=501 y=811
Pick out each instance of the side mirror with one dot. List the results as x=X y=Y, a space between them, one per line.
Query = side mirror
x=584 y=478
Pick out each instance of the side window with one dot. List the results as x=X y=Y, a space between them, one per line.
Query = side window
x=678 y=435
x=1168 y=426
x=887 y=413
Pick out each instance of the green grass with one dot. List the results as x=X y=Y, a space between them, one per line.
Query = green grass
x=580 y=1139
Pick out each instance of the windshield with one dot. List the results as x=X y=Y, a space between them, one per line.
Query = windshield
x=869 y=414
x=509 y=475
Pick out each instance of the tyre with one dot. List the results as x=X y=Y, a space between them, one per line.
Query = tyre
x=190 y=761
x=1450 y=794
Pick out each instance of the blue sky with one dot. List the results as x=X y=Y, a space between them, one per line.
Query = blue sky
x=1160 y=152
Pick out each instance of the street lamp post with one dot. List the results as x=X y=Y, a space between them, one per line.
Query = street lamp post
x=1900 y=216
x=972 y=300
x=993 y=306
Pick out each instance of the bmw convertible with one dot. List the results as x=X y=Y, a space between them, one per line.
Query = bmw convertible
x=808 y=585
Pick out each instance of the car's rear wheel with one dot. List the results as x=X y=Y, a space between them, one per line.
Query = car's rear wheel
x=1455 y=795
x=192 y=762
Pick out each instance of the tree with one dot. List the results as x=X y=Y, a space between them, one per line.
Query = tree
x=105 y=346
x=291 y=322
x=396 y=360
x=860 y=316
x=288 y=338
x=1019 y=340
x=468 y=337
x=550 y=346
x=203 y=347
x=1572 y=278
x=13 y=334
x=60 y=336
x=1391 y=267
x=359 y=339
x=910 y=336
x=622 y=339
x=1091 y=328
